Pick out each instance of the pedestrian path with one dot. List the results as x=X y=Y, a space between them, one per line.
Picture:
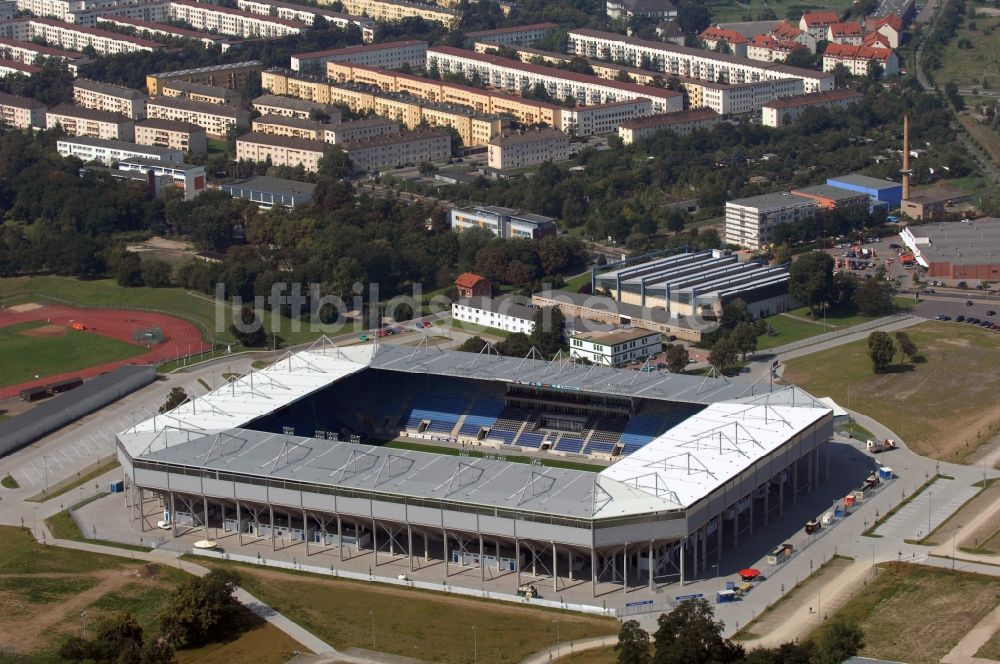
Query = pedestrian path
x=927 y=511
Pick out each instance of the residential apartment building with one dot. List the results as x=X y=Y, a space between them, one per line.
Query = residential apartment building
x=736 y=43
x=503 y=222
x=686 y=62
x=617 y=347
x=397 y=10
x=889 y=26
x=77 y=121
x=155 y=12
x=281 y=150
x=189 y=138
x=75 y=37
x=215 y=119
x=30 y=52
x=152 y=30
x=87 y=149
x=751 y=222
x=359 y=130
x=682 y=122
x=280 y=125
x=21 y=112
x=520 y=149
x=189 y=178
x=307 y=14
x=768 y=49
x=781 y=112
x=817 y=23
x=858 y=59
x=206 y=94
x=501 y=313
x=12 y=67
x=850 y=33
x=515 y=35
x=649 y=9
x=235 y=76
x=395 y=150
x=387 y=55
x=470 y=284
x=785 y=31
x=516 y=76
x=740 y=98
x=107 y=97
x=233 y=22
x=61 y=9
x=603 y=118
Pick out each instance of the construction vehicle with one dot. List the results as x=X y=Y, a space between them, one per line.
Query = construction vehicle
x=875 y=447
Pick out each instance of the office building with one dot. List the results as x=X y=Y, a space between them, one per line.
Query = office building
x=682 y=122
x=77 y=121
x=189 y=178
x=184 y=136
x=524 y=148
x=616 y=348
x=88 y=149
x=240 y=76
x=751 y=222
x=503 y=222
x=268 y=192
x=111 y=98
x=387 y=55
x=829 y=197
x=502 y=313
x=216 y=119
x=782 y=112
x=396 y=150
x=21 y=112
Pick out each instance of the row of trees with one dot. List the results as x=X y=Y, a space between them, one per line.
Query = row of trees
x=882 y=350
x=690 y=635
x=813 y=283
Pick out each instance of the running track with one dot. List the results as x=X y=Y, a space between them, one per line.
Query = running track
x=181 y=337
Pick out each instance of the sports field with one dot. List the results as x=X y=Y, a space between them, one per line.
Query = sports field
x=887 y=610
x=42 y=349
x=943 y=407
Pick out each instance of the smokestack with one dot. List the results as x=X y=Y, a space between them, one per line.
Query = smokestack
x=906 y=157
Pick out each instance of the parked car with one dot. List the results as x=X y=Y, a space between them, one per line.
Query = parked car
x=968 y=303
x=427 y=323
x=959 y=318
x=991 y=313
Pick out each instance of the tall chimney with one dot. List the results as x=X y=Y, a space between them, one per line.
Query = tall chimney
x=906 y=157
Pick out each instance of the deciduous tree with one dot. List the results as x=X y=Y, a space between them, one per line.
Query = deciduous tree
x=881 y=350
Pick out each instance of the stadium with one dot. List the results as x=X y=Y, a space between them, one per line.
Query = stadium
x=683 y=465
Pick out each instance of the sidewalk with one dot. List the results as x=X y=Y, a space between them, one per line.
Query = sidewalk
x=562 y=650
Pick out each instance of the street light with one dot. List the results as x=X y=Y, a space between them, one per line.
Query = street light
x=372 y=614
x=558 y=639
x=475 y=646
x=953 y=546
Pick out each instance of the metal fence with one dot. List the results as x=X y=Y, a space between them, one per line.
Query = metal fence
x=835 y=334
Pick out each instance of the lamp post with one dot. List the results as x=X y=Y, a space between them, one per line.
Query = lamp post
x=953 y=535
x=372 y=614
x=475 y=646
x=558 y=639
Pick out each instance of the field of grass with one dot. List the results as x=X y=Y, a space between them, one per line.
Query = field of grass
x=425 y=625
x=454 y=451
x=891 y=611
x=729 y=10
x=26 y=356
x=471 y=328
x=978 y=65
x=596 y=656
x=942 y=407
x=197 y=308
x=787 y=330
x=49 y=593
x=574 y=284
x=8 y=482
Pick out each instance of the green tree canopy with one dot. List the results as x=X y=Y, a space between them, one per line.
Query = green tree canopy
x=677 y=358
x=810 y=279
x=881 y=350
x=690 y=635
x=633 y=644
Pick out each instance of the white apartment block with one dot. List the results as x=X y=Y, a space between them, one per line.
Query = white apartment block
x=750 y=222
x=233 y=22
x=499 y=313
x=687 y=62
x=527 y=148
x=215 y=119
x=21 y=112
x=293 y=107
x=768 y=49
x=61 y=9
x=503 y=222
x=206 y=94
x=150 y=29
x=76 y=37
x=12 y=68
x=516 y=76
x=157 y=12
x=858 y=58
x=682 y=122
x=515 y=35
x=281 y=150
x=107 y=97
x=387 y=55
x=603 y=118
x=307 y=15
x=395 y=150
x=189 y=178
x=780 y=112
x=171 y=134
x=29 y=53
x=359 y=130
x=88 y=149
x=280 y=125
x=616 y=347
x=746 y=97
x=397 y=10
x=77 y=121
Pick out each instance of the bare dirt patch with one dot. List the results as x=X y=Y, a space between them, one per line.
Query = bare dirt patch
x=46 y=331
x=22 y=308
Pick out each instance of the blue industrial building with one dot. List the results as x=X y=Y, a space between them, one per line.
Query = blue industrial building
x=883 y=193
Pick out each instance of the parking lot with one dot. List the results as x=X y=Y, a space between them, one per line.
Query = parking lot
x=955 y=308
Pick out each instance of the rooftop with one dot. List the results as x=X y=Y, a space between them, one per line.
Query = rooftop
x=815 y=98
x=157 y=163
x=468 y=279
x=667 y=119
x=94 y=114
x=394 y=139
x=513 y=28
x=108 y=89
x=508 y=306
x=360 y=48
x=123 y=146
x=828 y=191
x=858 y=180
x=616 y=336
x=291 y=23
x=973 y=243
x=212 y=68
x=19 y=102
x=203 y=89
x=112 y=36
x=775 y=201
x=162 y=27
x=285 y=142
x=288 y=102
x=44 y=50
x=529 y=136
x=285 y=121
x=273 y=185
x=171 y=125
x=19 y=66
x=205 y=107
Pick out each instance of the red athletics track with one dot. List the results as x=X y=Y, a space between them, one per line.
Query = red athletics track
x=181 y=337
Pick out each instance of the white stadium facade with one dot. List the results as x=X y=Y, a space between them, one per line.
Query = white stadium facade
x=695 y=462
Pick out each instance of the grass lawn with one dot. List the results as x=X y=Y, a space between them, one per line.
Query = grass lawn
x=217 y=146
x=70 y=484
x=596 y=656
x=986 y=137
x=917 y=614
x=26 y=355
x=48 y=593
x=991 y=649
x=943 y=407
x=574 y=284
x=472 y=328
x=975 y=67
x=197 y=308
x=787 y=330
x=454 y=451
x=8 y=482
x=421 y=624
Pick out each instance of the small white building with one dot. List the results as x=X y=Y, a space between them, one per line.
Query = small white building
x=616 y=347
x=500 y=313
